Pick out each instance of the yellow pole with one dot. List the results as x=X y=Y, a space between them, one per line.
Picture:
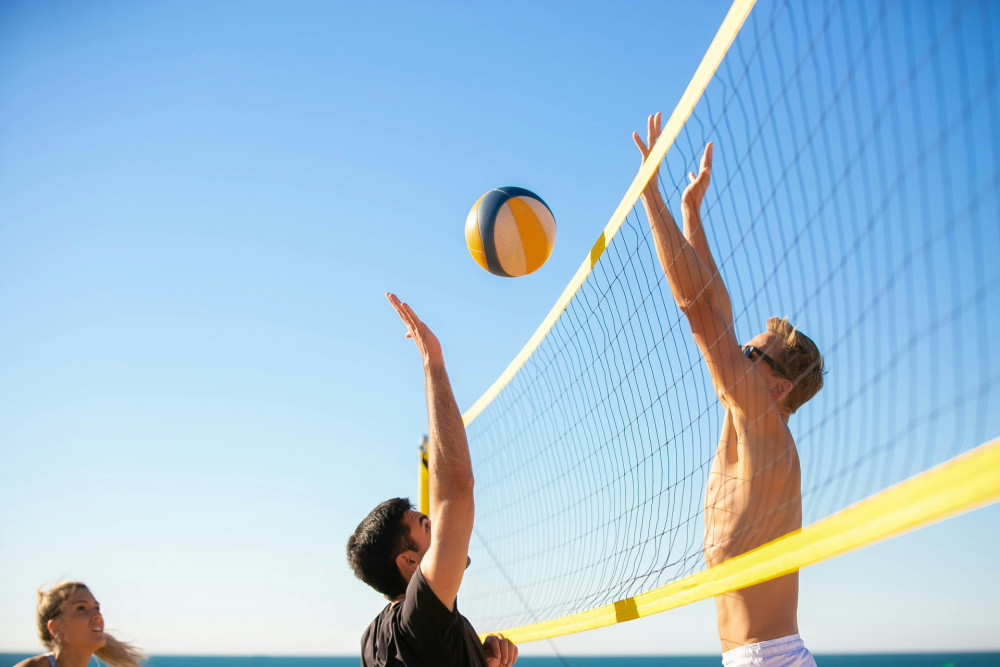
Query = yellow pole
x=425 y=494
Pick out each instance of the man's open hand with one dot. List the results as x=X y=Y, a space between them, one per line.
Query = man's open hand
x=646 y=147
x=695 y=191
x=427 y=342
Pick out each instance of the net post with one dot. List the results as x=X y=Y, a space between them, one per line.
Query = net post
x=424 y=505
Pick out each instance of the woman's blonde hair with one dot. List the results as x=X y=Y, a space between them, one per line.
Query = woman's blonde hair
x=50 y=607
x=801 y=360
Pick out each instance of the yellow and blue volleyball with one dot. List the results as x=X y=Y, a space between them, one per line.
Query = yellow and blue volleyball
x=510 y=232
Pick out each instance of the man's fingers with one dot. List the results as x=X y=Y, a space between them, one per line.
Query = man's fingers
x=411 y=317
x=397 y=305
x=508 y=651
x=405 y=313
x=502 y=649
x=706 y=159
x=492 y=645
x=641 y=144
x=652 y=133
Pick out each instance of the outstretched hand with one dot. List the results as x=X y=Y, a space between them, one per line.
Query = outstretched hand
x=695 y=191
x=652 y=134
x=427 y=342
x=500 y=651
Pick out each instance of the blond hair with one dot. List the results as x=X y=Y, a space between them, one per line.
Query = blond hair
x=801 y=360
x=50 y=606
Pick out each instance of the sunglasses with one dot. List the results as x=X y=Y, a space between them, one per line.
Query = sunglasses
x=752 y=353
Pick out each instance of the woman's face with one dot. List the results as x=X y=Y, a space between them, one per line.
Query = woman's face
x=80 y=624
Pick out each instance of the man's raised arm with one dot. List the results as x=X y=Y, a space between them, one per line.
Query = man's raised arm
x=694 y=231
x=692 y=273
x=449 y=466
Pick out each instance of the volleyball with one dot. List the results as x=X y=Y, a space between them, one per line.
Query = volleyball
x=510 y=232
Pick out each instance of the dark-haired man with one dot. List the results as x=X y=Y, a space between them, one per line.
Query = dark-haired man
x=754 y=492
x=418 y=562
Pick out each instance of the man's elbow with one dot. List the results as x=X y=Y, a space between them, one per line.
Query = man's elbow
x=466 y=484
x=698 y=309
x=458 y=487
x=687 y=306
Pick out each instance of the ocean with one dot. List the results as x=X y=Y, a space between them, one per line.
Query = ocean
x=950 y=659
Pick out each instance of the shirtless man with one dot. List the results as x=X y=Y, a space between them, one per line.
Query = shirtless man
x=754 y=490
x=417 y=562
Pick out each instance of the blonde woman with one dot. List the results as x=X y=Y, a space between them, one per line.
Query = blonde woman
x=70 y=625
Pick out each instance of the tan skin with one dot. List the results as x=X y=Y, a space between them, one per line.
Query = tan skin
x=443 y=538
x=754 y=488
x=78 y=632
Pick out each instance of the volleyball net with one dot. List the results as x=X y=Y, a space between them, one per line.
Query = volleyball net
x=854 y=190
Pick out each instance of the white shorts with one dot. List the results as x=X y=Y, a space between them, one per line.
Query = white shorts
x=781 y=652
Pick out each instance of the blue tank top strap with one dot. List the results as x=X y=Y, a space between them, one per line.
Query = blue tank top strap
x=52 y=659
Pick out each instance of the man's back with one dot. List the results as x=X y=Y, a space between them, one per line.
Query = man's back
x=753 y=496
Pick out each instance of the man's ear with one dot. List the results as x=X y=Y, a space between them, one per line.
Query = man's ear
x=780 y=387
x=407 y=563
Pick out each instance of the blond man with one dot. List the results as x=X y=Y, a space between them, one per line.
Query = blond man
x=754 y=490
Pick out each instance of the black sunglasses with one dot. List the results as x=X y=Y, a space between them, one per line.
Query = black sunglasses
x=751 y=353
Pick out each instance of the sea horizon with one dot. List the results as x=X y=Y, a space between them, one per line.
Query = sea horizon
x=926 y=659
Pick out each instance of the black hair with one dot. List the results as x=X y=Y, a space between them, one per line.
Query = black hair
x=378 y=539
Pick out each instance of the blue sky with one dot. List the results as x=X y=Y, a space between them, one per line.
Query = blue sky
x=201 y=207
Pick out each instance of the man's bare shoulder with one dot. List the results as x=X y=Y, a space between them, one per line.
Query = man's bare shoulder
x=756 y=415
x=742 y=391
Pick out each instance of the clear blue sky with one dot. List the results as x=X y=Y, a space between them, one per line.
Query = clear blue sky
x=202 y=388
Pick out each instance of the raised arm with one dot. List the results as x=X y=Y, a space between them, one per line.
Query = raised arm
x=449 y=465
x=695 y=282
x=694 y=232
